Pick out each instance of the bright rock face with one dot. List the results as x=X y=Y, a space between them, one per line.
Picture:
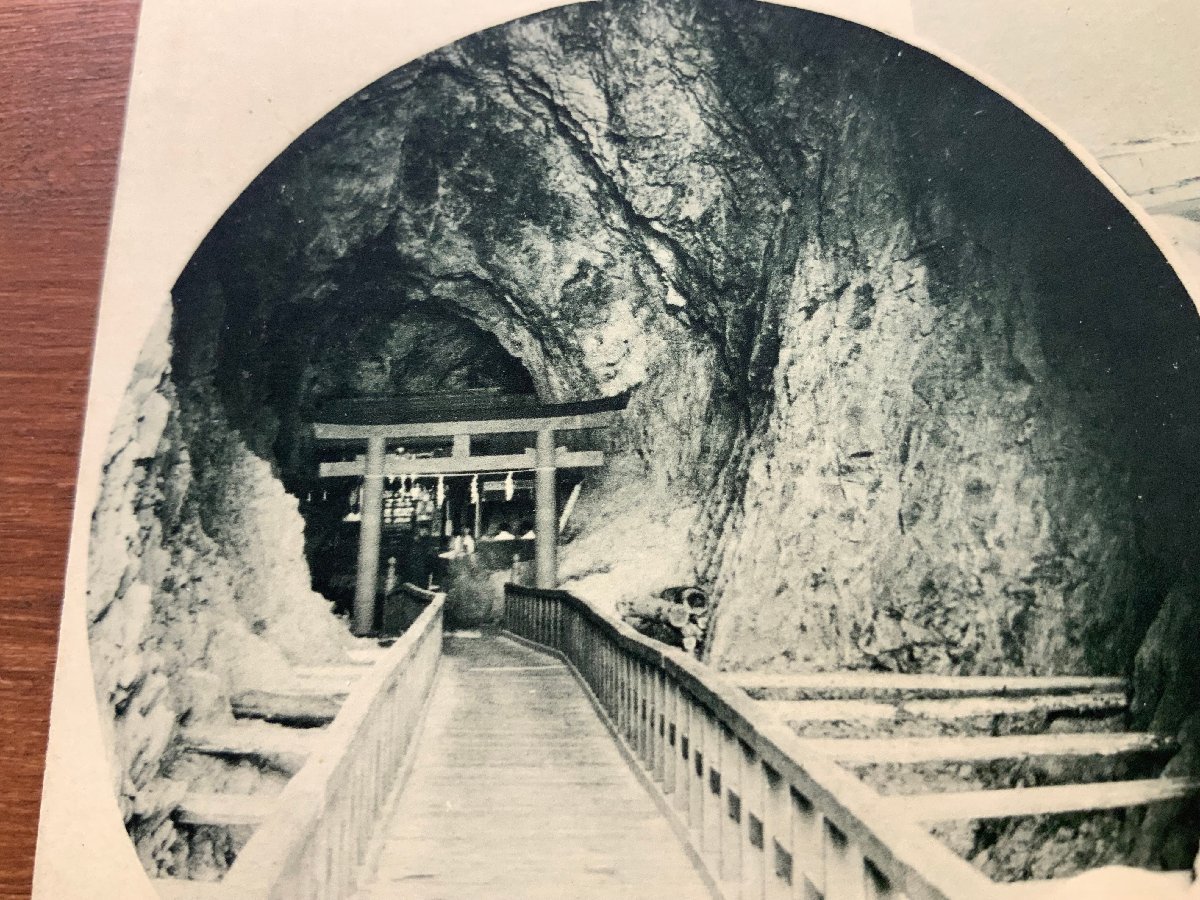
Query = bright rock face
x=911 y=390
x=198 y=590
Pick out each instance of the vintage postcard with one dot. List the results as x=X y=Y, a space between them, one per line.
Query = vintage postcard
x=641 y=449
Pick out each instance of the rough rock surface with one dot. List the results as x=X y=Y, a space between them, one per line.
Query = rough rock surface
x=197 y=590
x=912 y=390
x=881 y=325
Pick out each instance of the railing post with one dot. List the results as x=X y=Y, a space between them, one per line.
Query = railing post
x=564 y=639
x=561 y=630
x=808 y=846
x=586 y=647
x=695 y=768
x=614 y=682
x=753 y=778
x=624 y=666
x=671 y=739
x=635 y=706
x=655 y=722
x=634 y=672
x=711 y=790
x=614 y=677
x=642 y=711
x=732 y=814
x=651 y=747
x=664 y=728
x=631 y=675
x=878 y=887
x=845 y=873
x=605 y=673
x=778 y=860
x=683 y=761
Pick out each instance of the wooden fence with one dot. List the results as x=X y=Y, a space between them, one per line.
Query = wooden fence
x=768 y=816
x=313 y=844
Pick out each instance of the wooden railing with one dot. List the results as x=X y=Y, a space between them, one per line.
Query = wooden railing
x=769 y=817
x=315 y=840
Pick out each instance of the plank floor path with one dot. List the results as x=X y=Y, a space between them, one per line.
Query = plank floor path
x=518 y=790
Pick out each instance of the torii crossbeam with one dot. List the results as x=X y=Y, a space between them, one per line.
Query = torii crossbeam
x=456 y=418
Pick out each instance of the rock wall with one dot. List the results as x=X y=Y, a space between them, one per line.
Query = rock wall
x=912 y=390
x=197 y=590
x=928 y=491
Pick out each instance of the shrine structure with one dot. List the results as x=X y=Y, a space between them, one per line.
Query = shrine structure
x=434 y=436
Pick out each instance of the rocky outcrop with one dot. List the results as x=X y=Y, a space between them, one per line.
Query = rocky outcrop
x=197 y=590
x=926 y=493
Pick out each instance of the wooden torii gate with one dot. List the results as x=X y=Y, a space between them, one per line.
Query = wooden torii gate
x=456 y=418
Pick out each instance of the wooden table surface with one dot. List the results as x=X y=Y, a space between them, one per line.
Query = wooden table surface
x=64 y=71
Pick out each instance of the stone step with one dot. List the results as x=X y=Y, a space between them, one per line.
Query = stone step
x=896 y=686
x=946 y=709
x=1063 y=704
x=224 y=810
x=366 y=654
x=351 y=672
x=867 y=751
x=299 y=709
x=282 y=748
x=1038 y=801
x=1106 y=881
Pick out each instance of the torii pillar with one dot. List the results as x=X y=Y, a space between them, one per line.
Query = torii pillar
x=457 y=421
x=546 y=521
x=368 y=539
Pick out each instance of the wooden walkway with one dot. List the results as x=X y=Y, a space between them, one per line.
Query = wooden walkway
x=518 y=790
x=787 y=783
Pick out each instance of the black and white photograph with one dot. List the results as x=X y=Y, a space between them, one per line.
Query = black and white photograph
x=642 y=449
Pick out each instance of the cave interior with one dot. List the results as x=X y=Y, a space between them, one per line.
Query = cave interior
x=910 y=390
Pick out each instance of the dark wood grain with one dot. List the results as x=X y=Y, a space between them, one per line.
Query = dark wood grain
x=64 y=71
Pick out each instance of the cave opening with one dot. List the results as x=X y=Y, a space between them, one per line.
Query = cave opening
x=911 y=391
